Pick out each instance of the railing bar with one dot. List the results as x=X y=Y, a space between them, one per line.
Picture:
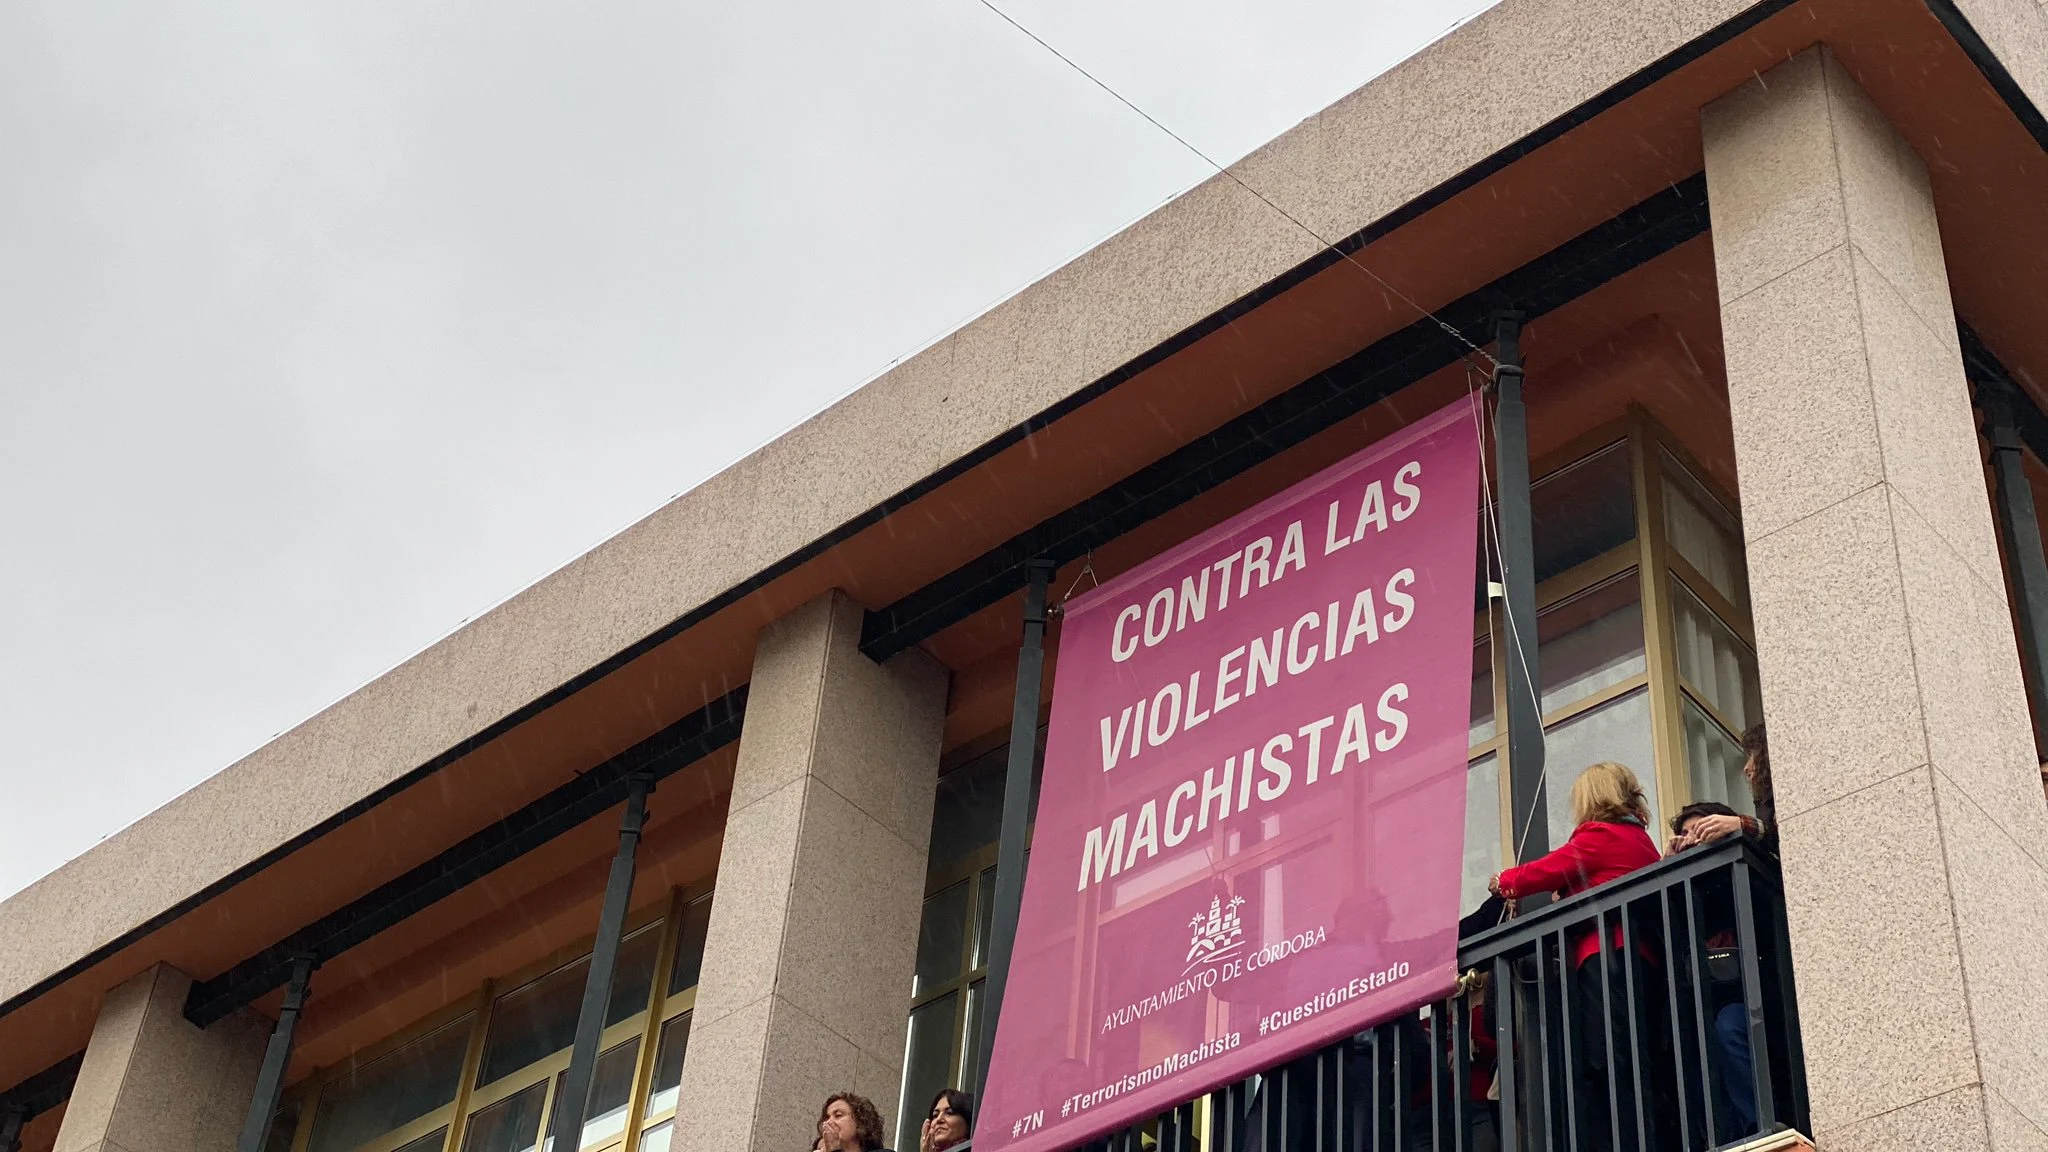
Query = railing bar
x=1788 y=1008
x=1639 y=1069
x=1436 y=1067
x=1461 y=1066
x=1321 y=1128
x=1504 y=1043
x=1752 y=1000
x=1400 y=1091
x=1607 y=1029
x=1677 y=1022
x=1697 y=934
x=1543 y=1039
x=1567 y=1023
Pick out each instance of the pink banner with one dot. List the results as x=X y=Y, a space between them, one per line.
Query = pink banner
x=1251 y=831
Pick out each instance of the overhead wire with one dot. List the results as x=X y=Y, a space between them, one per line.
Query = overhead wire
x=1491 y=367
x=1448 y=328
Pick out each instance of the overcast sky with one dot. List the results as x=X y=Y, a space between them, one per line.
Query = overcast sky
x=325 y=328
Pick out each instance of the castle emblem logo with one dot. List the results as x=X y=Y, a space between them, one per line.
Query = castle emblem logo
x=1217 y=935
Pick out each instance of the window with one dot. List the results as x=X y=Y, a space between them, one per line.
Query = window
x=942 y=1048
x=510 y=1125
x=414 y=1098
x=530 y=1022
x=388 y=1093
x=611 y=1092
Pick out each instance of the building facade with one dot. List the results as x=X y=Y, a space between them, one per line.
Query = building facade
x=1776 y=266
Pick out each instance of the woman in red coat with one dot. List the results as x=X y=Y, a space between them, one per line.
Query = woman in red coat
x=1612 y=839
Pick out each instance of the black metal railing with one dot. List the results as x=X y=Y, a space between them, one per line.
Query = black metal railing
x=1672 y=1025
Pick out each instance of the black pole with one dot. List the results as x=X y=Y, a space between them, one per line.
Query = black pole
x=1016 y=813
x=1518 y=575
x=566 y=1125
x=12 y=1117
x=2022 y=532
x=270 y=1080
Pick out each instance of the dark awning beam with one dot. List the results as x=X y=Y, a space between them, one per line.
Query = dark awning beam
x=603 y=787
x=1636 y=236
x=44 y=1090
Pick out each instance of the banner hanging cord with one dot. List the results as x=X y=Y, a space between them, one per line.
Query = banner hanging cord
x=1448 y=328
x=1087 y=570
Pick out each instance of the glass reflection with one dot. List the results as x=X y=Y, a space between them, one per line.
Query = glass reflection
x=1582 y=511
x=927 y=1062
x=941 y=938
x=510 y=1125
x=1704 y=533
x=1591 y=641
x=1714 y=759
x=1483 y=727
x=391 y=1092
x=538 y=1019
x=1482 y=831
x=668 y=1065
x=611 y=1091
x=1713 y=659
x=1618 y=730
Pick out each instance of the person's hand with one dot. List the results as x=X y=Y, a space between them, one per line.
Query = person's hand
x=1708 y=829
x=828 y=1133
x=924 y=1135
x=1493 y=885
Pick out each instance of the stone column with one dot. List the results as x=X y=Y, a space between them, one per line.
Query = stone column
x=1914 y=831
x=151 y=1082
x=813 y=936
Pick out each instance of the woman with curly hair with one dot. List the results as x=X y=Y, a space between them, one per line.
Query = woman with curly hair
x=849 y=1123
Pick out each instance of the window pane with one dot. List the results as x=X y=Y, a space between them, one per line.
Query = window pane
x=1715 y=661
x=1618 y=730
x=927 y=1063
x=510 y=1125
x=668 y=1065
x=967 y=813
x=1482 y=830
x=431 y=1142
x=970 y=1041
x=656 y=1139
x=985 y=916
x=1702 y=532
x=1592 y=641
x=941 y=938
x=690 y=938
x=390 y=1092
x=1482 y=692
x=611 y=1090
x=283 y=1127
x=539 y=1019
x=1582 y=511
x=1714 y=759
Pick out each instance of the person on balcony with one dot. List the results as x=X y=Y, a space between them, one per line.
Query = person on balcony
x=1728 y=1037
x=849 y=1123
x=1756 y=768
x=1610 y=840
x=949 y=1121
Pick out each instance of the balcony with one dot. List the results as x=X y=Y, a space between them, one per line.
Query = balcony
x=1635 y=1050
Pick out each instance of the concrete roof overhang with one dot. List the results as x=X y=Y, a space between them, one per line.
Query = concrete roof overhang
x=1524 y=128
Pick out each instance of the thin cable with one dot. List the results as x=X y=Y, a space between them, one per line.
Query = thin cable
x=1432 y=317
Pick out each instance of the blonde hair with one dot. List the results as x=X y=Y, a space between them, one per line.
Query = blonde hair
x=1608 y=792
